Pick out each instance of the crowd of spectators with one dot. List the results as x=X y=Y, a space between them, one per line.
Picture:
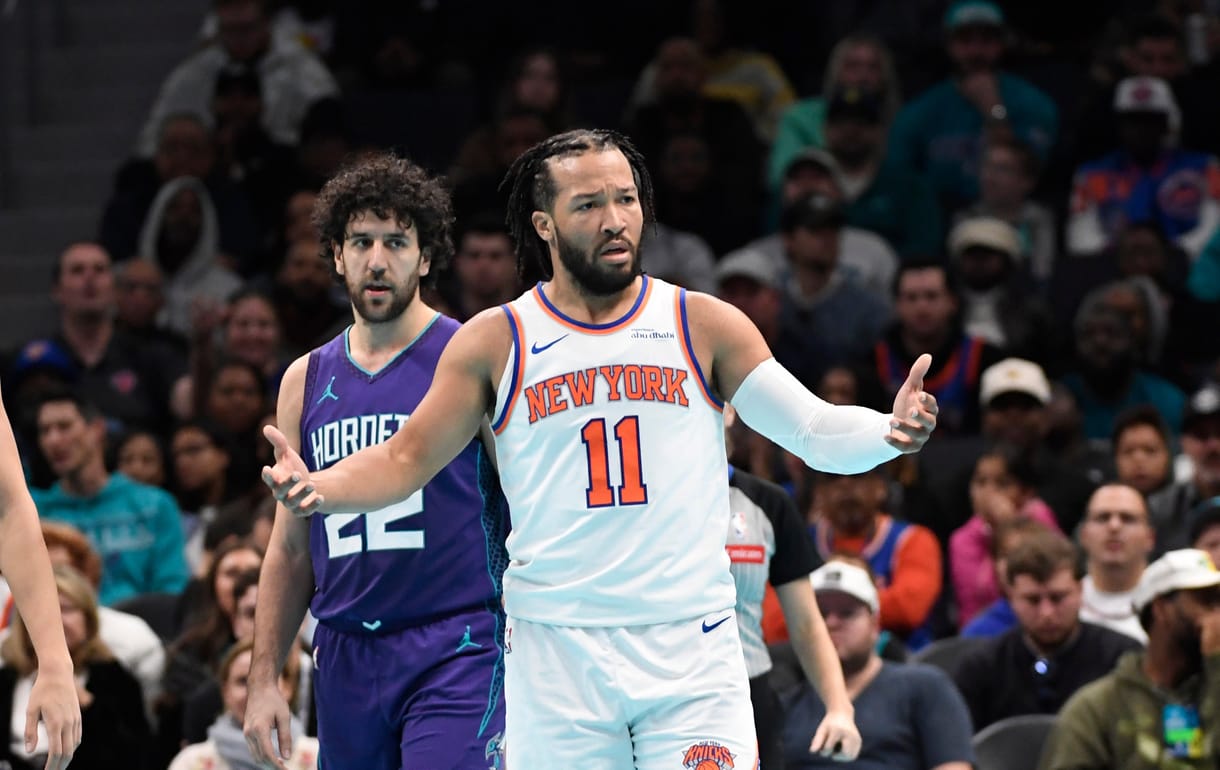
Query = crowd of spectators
x=1037 y=208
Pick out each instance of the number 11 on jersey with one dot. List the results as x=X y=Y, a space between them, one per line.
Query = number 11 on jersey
x=632 y=491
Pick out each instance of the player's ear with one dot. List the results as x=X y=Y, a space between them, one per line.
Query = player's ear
x=543 y=225
x=425 y=262
x=336 y=249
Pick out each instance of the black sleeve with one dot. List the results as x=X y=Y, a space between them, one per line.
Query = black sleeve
x=972 y=677
x=795 y=556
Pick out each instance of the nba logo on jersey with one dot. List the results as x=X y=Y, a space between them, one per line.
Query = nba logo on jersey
x=707 y=755
x=739 y=525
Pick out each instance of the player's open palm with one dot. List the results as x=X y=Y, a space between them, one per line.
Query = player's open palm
x=268 y=725
x=289 y=477
x=915 y=411
x=53 y=701
x=836 y=737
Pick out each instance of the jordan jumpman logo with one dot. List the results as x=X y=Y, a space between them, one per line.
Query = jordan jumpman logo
x=329 y=393
x=466 y=642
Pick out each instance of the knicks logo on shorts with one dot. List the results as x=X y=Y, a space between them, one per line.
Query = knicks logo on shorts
x=707 y=755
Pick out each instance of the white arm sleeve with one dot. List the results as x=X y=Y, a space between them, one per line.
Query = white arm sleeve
x=837 y=439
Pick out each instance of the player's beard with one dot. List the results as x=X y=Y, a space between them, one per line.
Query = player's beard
x=400 y=299
x=593 y=278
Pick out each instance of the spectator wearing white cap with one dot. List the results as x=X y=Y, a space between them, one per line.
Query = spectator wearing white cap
x=1159 y=708
x=996 y=301
x=909 y=714
x=1147 y=179
x=941 y=134
x=1008 y=173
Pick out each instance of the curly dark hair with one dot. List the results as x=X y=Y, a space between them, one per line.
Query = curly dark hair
x=531 y=188
x=391 y=187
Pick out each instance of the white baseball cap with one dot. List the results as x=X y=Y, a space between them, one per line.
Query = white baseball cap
x=1014 y=375
x=1147 y=94
x=987 y=232
x=1184 y=569
x=848 y=579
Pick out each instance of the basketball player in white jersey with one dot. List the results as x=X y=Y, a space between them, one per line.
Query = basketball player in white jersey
x=604 y=388
x=27 y=568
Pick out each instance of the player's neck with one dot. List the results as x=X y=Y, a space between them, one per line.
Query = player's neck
x=565 y=294
x=373 y=345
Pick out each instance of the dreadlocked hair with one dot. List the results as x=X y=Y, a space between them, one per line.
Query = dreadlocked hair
x=531 y=188
x=392 y=188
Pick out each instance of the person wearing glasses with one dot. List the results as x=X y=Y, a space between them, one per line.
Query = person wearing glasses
x=1035 y=667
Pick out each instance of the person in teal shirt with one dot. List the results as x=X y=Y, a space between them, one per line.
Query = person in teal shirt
x=858 y=61
x=941 y=134
x=135 y=528
x=1107 y=379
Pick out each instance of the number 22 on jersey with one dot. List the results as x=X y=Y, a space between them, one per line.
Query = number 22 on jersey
x=376 y=536
x=599 y=493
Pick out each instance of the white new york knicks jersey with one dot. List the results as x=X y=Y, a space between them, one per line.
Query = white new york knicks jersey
x=611 y=450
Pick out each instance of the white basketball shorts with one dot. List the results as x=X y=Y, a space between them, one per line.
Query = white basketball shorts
x=671 y=696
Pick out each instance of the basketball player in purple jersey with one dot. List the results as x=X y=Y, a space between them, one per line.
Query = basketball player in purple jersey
x=27 y=568
x=407 y=597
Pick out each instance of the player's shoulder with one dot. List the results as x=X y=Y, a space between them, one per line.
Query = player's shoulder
x=294 y=376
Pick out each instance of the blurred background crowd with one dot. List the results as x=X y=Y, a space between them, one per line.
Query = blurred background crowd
x=1027 y=190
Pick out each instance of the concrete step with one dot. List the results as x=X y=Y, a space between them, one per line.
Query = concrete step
x=135 y=21
x=36 y=230
x=73 y=183
x=28 y=274
x=25 y=316
x=75 y=141
x=88 y=105
x=111 y=65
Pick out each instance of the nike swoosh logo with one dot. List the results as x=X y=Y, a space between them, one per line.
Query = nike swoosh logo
x=714 y=626
x=535 y=348
x=376 y=624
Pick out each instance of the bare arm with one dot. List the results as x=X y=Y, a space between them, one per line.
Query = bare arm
x=27 y=567
x=812 y=645
x=445 y=421
x=285 y=584
x=286 y=579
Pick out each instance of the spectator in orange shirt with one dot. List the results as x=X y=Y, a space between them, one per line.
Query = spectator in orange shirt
x=906 y=558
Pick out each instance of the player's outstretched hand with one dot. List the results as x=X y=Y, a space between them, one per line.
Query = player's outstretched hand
x=289 y=478
x=836 y=737
x=268 y=722
x=53 y=701
x=915 y=411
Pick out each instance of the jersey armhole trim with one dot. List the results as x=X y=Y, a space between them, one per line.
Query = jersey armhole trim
x=311 y=376
x=688 y=350
x=518 y=364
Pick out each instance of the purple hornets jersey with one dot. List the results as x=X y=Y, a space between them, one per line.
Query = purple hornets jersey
x=437 y=552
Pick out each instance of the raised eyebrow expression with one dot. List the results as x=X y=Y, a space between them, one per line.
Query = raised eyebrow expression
x=580 y=200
